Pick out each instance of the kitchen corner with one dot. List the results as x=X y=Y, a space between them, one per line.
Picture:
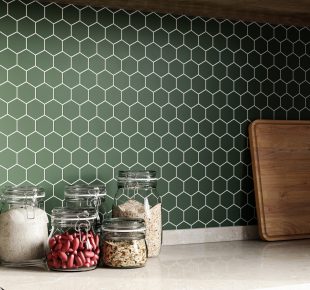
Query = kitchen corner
x=87 y=92
x=240 y=265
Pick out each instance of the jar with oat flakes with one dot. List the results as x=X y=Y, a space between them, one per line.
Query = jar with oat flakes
x=124 y=243
x=137 y=197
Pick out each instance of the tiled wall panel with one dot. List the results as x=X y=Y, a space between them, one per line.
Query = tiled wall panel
x=86 y=92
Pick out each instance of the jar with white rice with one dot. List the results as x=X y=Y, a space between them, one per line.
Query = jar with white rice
x=24 y=227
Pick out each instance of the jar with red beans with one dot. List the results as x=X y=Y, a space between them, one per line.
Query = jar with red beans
x=73 y=244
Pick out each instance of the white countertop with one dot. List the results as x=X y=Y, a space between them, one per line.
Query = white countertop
x=223 y=265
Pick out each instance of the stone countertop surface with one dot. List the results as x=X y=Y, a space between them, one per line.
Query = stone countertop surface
x=222 y=265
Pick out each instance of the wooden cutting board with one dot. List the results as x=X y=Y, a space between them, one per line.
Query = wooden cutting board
x=280 y=152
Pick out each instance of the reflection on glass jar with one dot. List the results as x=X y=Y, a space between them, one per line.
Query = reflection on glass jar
x=73 y=241
x=137 y=197
x=23 y=226
x=84 y=195
x=124 y=243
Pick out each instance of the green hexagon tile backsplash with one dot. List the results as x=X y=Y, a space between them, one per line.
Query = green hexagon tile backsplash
x=86 y=92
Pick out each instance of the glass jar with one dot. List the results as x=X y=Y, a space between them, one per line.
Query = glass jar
x=23 y=226
x=124 y=243
x=73 y=242
x=137 y=197
x=84 y=195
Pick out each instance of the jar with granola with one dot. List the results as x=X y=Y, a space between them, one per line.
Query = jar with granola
x=137 y=198
x=124 y=243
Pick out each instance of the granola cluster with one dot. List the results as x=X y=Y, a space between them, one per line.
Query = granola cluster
x=124 y=253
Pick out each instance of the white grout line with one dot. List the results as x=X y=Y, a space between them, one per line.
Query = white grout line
x=209 y=235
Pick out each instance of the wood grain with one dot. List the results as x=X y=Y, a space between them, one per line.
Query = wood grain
x=280 y=152
x=288 y=12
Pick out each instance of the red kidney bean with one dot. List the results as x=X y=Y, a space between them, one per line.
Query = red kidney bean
x=87 y=265
x=65 y=246
x=63 y=256
x=97 y=251
x=70 y=238
x=81 y=255
x=97 y=240
x=92 y=242
x=75 y=244
x=52 y=242
x=70 y=261
x=78 y=261
x=89 y=254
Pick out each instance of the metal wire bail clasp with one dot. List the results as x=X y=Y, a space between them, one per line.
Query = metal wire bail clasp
x=30 y=203
x=84 y=224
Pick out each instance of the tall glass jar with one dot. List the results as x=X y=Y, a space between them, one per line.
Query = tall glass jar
x=23 y=226
x=73 y=242
x=124 y=243
x=137 y=197
x=84 y=195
